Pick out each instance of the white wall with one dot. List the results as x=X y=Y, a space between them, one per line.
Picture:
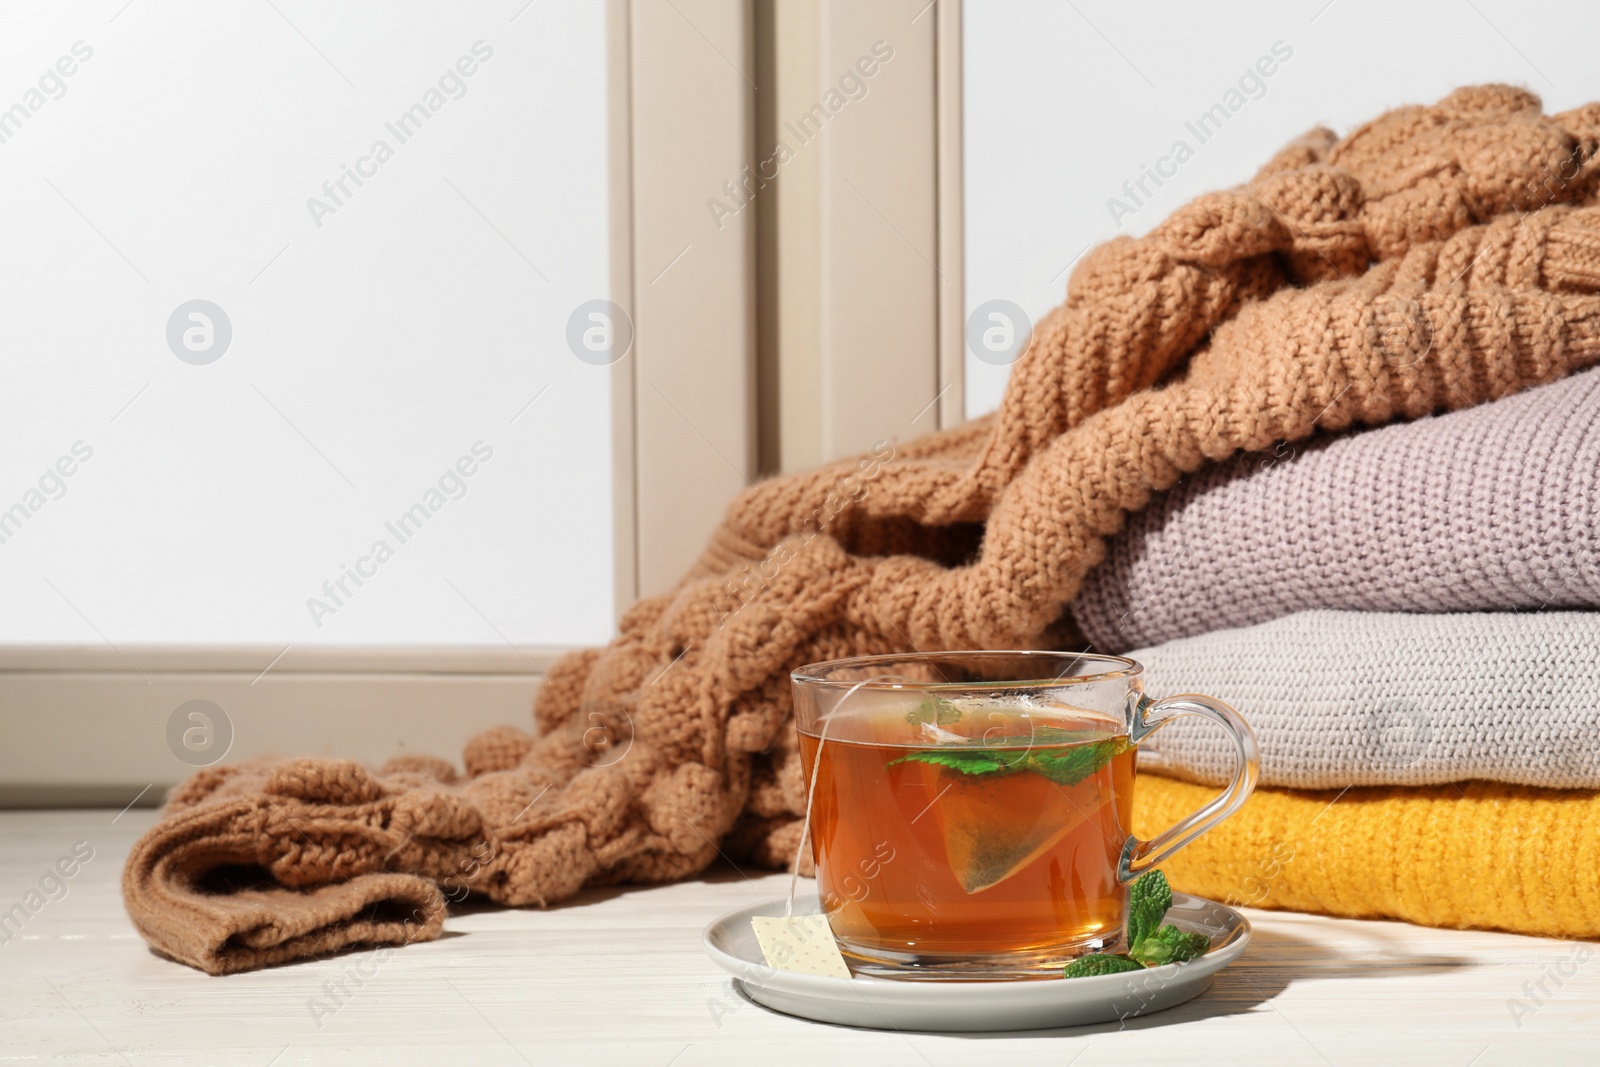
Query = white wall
x=370 y=347
x=1062 y=108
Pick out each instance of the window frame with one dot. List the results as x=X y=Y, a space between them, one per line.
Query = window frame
x=88 y=723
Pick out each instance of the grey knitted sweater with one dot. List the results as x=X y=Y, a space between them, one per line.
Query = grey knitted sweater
x=1343 y=698
x=1492 y=508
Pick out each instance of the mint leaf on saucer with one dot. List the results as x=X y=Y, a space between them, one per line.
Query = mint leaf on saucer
x=1170 y=945
x=1148 y=901
x=1150 y=944
x=1100 y=963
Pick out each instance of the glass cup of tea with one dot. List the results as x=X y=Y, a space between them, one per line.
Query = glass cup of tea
x=969 y=812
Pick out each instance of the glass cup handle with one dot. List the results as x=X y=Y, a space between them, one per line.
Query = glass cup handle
x=1140 y=856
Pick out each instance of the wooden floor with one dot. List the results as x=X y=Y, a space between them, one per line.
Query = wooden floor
x=619 y=977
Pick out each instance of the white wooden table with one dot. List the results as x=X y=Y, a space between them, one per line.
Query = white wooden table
x=618 y=976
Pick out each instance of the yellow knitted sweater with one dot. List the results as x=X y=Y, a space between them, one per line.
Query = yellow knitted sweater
x=1477 y=854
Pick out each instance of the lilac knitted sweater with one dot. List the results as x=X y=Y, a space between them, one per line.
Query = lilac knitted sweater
x=1493 y=508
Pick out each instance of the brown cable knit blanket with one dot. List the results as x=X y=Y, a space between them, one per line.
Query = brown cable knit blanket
x=1434 y=259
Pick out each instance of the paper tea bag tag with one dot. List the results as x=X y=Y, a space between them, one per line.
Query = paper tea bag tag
x=801 y=943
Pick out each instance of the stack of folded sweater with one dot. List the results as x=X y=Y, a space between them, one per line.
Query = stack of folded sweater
x=1400 y=611
x=1407 y=617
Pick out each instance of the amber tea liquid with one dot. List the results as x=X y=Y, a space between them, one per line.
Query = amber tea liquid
x=989 y=838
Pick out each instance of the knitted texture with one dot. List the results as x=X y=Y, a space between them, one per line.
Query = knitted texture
x=1501 y=857
x=1436 y=258
x=1492 y=508
x=1356 y=698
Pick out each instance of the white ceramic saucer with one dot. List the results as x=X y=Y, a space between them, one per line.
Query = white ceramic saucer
x=885 y=1004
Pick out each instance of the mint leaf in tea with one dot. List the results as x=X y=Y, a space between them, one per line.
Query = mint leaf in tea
x=1063 y=756
x=964 y=760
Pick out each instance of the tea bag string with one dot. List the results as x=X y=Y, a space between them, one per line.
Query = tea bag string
x=811 y=790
